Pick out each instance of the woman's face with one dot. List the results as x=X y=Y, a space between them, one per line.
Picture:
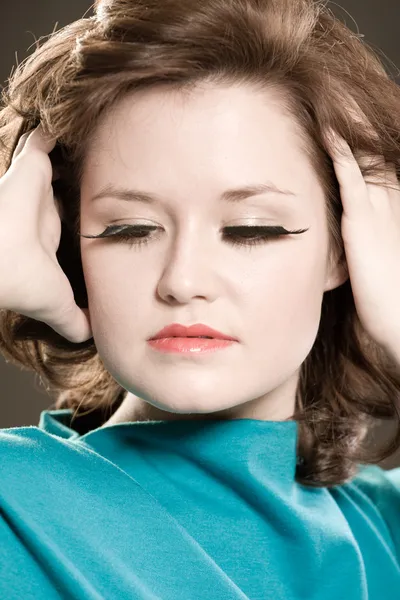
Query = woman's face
x=187 y=152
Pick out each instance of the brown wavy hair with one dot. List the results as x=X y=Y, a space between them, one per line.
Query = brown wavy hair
x=320 y=68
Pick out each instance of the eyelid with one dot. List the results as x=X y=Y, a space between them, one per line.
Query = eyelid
x=250 y=222
x=114 y=230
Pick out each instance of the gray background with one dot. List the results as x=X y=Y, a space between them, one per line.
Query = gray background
x=22 y=396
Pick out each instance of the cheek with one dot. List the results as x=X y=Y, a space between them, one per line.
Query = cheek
x=112 y=292
x=279 y=293
x=284 y=298
x=110 y=273
x=283 y=322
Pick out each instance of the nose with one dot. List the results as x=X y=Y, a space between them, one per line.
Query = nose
x=189 y=271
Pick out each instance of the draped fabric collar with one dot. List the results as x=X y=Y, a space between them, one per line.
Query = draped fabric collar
x=252 y=447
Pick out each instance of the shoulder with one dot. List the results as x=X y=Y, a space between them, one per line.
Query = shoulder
x=31 y=456
x=29 y=441
x=23 y=442
x=380 y=488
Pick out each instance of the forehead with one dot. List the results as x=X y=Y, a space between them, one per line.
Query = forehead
x=219 y=137
x=213 y=116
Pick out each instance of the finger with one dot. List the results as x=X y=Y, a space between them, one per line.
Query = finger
x=78 y=329
x=384 y=175
x=353 y=187
x=391 y=176
x=366 y=161
x=40 y=140
x=21 y=143
x=35 y=138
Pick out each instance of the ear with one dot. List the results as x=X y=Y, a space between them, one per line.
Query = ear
x=337 y=273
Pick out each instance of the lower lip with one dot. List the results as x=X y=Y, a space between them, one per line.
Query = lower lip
x=192 y=345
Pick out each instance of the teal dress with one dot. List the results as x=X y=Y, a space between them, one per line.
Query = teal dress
x=187 y=510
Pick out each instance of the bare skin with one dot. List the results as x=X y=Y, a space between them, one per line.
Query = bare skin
x=32 y=283
x=188 y=151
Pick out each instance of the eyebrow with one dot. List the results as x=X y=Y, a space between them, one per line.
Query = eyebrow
x=231 y=195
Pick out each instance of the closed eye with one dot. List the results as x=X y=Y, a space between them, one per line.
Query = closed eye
x=243 y=235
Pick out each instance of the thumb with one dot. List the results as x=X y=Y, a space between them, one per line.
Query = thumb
x=78 y=329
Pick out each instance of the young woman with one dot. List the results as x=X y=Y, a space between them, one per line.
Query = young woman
x=177 y=171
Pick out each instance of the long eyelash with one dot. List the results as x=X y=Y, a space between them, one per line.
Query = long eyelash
x=133 y=234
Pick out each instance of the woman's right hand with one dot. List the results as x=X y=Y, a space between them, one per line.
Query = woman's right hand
x=32 y=282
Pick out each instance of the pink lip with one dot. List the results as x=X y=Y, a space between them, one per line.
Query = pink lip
x=189 y=346
x=176 y=330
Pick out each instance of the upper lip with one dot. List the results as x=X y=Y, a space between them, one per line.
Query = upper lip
x=178 y=330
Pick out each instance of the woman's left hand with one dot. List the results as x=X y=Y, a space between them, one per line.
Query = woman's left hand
x=371 y=236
